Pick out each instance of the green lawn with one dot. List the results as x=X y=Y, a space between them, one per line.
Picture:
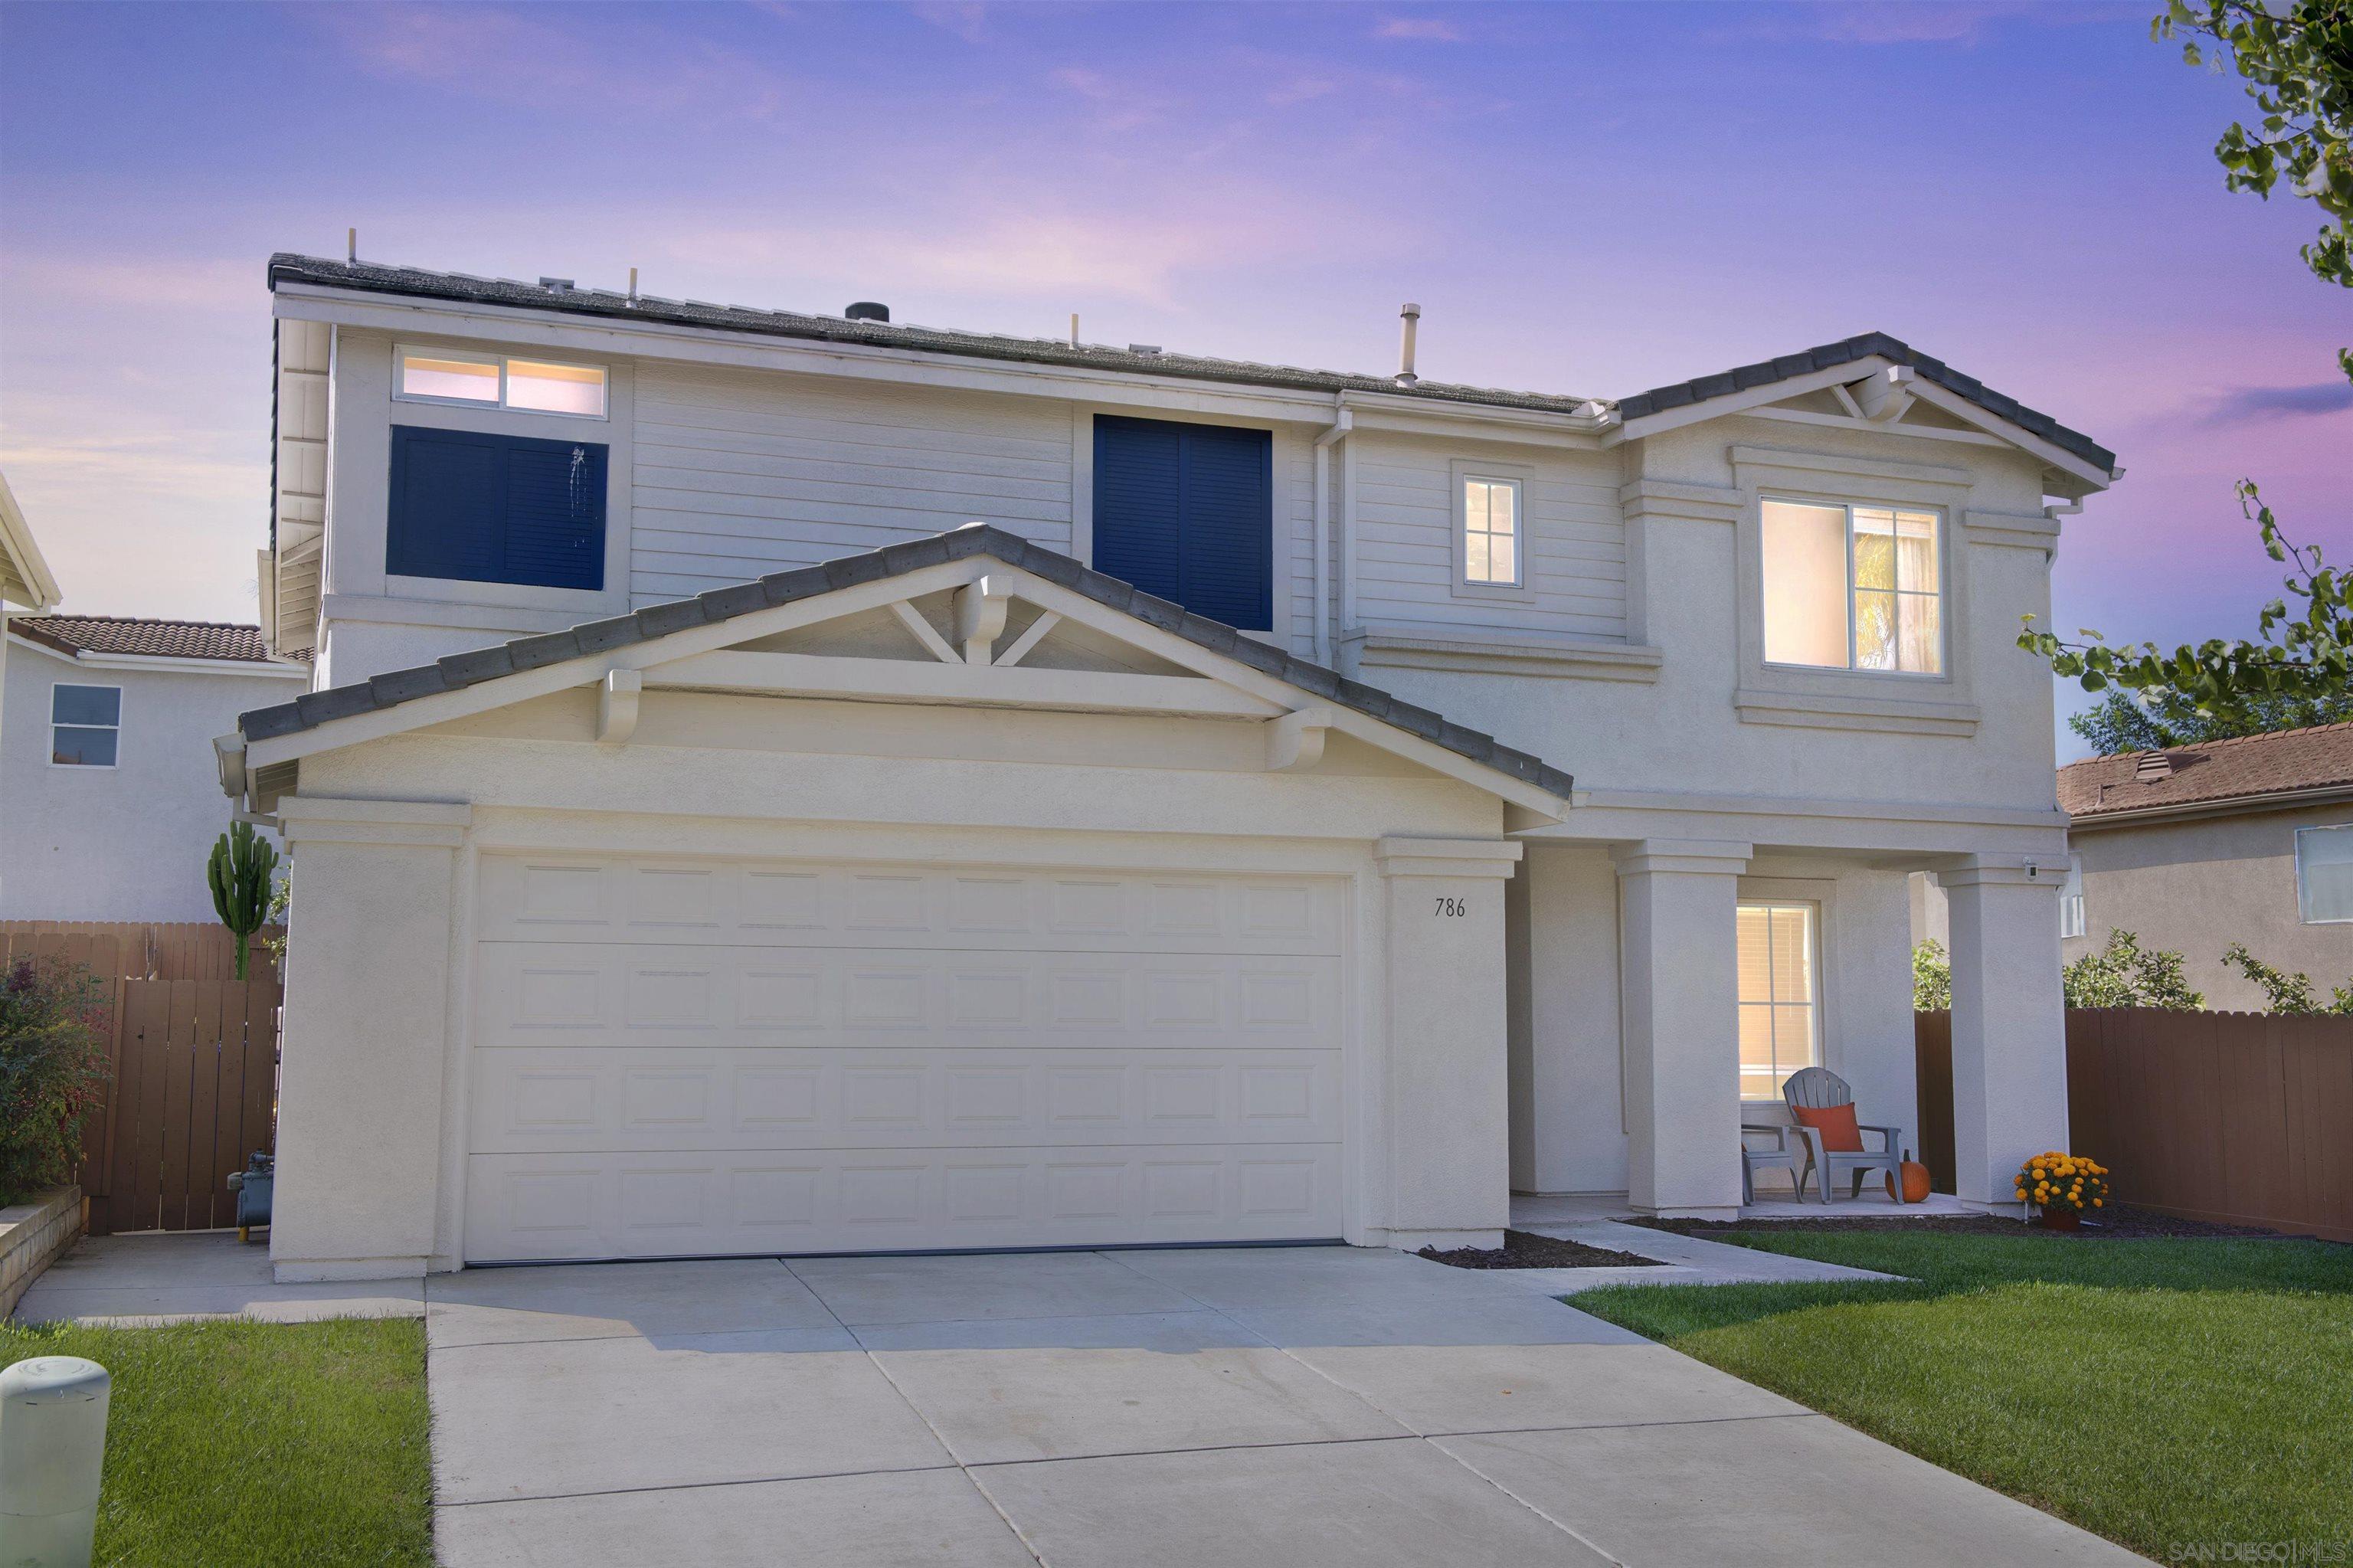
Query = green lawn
x=2161 y=1392
x=246 y=1444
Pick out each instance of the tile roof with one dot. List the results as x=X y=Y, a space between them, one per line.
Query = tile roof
x=458 y=287
x=151 y=639
x=418 y=283
x=461 y=669
x=2214 y=771
x=1682 y=394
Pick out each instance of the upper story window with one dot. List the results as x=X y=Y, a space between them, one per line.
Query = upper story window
x=491 y=381
x=1187 y=512
x=85 y=725
x=1491 y=531
x=2071 y=904
x=2324 y=874
x=1780 y=973
x=1853 y=587
x=476 y=507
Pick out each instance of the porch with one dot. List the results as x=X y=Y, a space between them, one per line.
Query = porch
x=1666 y=989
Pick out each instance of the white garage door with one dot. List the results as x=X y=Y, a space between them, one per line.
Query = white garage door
x=684 y=1057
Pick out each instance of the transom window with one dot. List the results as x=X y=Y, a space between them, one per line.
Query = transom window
x=2324 y=874
x=1853 y=588
x=489 y=381
x=85 y=725
x=1491 y=531
x=1780 y=1025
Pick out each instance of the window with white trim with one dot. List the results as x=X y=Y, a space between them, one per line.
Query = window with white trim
x=1780 y=983
x=1491 y=531
x=492 y=381
x=85 y=725
x=2324 y=874
x=2071 y=904
x=1853 y=587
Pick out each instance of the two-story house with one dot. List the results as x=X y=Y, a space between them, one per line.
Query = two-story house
x=782 y=783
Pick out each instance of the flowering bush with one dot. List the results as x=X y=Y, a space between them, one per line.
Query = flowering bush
x=2054 y=1180
x=52 y=1068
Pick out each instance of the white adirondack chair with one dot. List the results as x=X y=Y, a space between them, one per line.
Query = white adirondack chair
x=1819 y=1088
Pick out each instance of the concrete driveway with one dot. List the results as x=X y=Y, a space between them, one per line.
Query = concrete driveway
x=1301 y=1406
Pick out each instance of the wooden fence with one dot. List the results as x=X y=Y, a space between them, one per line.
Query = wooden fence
x=193 y=1092
x=2239 y=1117
x=177 y=950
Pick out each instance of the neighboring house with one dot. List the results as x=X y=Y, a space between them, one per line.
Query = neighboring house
x=2197 y=847
x=707 y=843
x=106 y=771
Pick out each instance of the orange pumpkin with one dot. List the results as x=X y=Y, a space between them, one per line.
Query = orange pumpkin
x=1915 y=1182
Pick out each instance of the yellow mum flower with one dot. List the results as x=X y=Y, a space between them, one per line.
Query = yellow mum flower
x=2099 y=1203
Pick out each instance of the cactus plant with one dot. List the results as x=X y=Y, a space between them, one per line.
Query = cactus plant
x=238 y=873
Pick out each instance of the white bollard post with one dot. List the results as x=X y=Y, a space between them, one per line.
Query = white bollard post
x=52 y=1443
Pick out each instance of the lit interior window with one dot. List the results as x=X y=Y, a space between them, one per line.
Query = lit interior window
x=556 y=389
x=463 y=380
x=1851 y=588
x=1491 y=531
x=1778 y=1030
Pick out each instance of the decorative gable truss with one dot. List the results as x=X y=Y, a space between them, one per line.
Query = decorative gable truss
x=966 y=627
x=1876 y=385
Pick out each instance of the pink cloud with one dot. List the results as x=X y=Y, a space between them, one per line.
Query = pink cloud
x=1425 y=30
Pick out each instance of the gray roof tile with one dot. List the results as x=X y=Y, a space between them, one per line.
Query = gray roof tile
x=1683 y=394
x=420 y=283
x=459 y=669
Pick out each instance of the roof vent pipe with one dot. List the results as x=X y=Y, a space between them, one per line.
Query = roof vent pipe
x=867 y=311
x=1411 y=314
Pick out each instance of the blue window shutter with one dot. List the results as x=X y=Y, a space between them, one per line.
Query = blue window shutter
x=1186 y=512
x=1225 y=538
x=1137 y=463
x=496 y=509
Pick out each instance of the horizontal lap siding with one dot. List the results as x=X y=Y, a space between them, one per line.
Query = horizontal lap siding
x=738 y=474
x=1576 y=542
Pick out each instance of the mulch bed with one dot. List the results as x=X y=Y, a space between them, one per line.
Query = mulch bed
x=1525 y=1249
x=2118 y=1223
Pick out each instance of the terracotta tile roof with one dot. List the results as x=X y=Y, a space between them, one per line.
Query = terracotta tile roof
x=155 y=638
x=2215 y=770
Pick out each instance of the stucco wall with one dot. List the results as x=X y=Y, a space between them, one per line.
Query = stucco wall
x=126 y=843
x=2195 y=888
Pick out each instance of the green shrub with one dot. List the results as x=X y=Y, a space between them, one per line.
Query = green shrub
x=2122 y=975
x=1932 y=978
x=52 y=1068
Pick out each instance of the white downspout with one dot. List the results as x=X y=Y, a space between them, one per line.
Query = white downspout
x=1342 y=422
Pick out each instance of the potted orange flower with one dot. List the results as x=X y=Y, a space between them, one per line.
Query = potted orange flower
x=2061 y=1186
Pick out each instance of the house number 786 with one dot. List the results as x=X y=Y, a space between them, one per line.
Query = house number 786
x=1451 y=909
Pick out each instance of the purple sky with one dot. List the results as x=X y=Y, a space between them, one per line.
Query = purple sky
x=1590 y=199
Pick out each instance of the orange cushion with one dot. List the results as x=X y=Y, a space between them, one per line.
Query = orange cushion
x=1836 y=1124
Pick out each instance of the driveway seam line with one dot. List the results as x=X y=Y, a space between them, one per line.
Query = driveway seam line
x=700 y=1486
x=1577 y=1535
x=956 y=1460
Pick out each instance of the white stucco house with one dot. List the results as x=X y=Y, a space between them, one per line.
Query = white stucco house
x=107 y=786
x=781 y=783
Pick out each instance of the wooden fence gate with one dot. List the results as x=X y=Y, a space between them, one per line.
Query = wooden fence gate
x=193 y=1092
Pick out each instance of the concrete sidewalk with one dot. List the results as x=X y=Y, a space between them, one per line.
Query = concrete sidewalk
x=140 y=1280
x=1684 y=1260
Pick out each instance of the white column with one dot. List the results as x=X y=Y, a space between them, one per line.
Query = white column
x=2009 y=1023
x=365 y=1036
x=1449 y=1136
x=1680 y=998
